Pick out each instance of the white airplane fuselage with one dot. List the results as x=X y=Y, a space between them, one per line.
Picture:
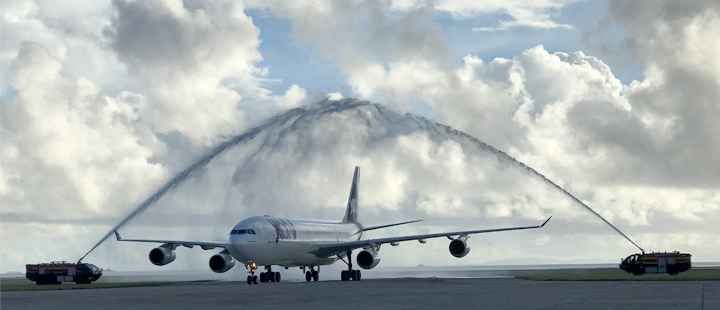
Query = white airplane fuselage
x=285 y=242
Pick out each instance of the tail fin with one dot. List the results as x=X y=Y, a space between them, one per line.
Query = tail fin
x=351 y=212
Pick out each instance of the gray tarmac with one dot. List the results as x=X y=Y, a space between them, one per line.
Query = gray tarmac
x=403 y=293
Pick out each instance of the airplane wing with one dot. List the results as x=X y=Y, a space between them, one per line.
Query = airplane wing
x=388 y=225
x=173 y=244
x=330 y=249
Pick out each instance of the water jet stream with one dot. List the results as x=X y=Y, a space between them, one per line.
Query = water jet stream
x=298 y=117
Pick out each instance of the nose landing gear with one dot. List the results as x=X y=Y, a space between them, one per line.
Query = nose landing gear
x=252 y=278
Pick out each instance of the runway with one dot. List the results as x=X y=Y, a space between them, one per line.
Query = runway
x=405 y=293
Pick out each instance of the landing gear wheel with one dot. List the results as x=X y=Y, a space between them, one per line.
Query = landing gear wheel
x=249 y=280
x=255 y=280
x=263 y=277
x=277 y=277
x=308 y=276
x=350 y=273
x=315 y=276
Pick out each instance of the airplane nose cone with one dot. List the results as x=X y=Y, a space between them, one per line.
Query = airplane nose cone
x=237 y=250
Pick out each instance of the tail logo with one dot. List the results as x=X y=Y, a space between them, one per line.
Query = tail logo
x=351 y=212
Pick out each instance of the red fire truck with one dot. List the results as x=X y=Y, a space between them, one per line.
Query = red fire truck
x=656 y=262
x=62 y=271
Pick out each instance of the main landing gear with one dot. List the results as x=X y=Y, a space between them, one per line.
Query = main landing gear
x=350 y=274
x=252 y=278
x=312 y=274
x=269 y=276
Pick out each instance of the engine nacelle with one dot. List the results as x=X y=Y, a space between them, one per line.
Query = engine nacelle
x=368 y=259
x=162 y=256
x=459 y=247
x=221 y=262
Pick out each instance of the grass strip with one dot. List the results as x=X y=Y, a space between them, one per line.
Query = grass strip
x=702 y=274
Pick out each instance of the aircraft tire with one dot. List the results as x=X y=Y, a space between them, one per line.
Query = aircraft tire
x=357 y=275
x=277 y=277
x=316 y=276
x=344 y=275
x=249 y=280
x=255 y=280
x=308 y=276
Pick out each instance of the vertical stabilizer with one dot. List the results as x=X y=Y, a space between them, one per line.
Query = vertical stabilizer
x=351 y=212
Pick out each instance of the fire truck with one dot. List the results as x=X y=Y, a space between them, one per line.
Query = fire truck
x=62 y=271
x=656 y=262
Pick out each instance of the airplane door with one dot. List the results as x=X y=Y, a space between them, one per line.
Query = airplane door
x=270 y=234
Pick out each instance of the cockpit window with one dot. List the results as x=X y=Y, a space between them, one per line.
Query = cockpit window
x=242 y=232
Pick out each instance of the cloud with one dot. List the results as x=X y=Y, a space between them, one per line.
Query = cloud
x=63 y=131
x=566 y=114
x=512 y=14
x=182 y=55
x=335 y=96
x=107 y=109
x=97 y=113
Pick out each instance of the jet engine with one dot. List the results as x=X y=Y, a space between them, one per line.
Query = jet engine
x=162 y=256
x=221 y=262
x=368 y=259
x=459 y=247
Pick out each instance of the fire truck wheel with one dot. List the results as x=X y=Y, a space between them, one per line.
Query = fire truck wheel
x=638 y=270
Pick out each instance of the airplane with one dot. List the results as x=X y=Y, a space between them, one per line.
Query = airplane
x=307 y=244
